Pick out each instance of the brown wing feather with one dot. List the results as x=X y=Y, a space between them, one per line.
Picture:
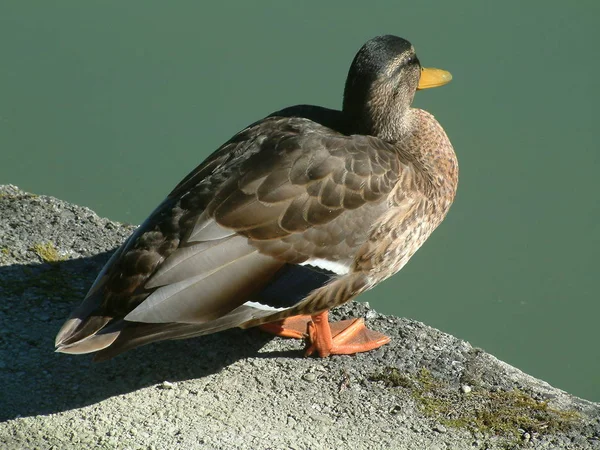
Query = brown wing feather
x=300 y=189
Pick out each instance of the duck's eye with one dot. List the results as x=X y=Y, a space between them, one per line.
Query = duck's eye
x=409 y=61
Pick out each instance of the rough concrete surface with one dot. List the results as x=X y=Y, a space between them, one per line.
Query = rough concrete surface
x=242 y=389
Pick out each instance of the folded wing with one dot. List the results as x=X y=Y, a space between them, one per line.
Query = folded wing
x=286 y=199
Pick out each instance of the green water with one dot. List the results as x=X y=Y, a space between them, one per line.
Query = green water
x=108 y=104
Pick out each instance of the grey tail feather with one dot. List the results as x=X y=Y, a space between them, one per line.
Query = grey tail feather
x=85 y=320
x=75 y=329
x=92 y=343
x=135 y=334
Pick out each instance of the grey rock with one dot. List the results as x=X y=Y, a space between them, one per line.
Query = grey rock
x=440 y=429
x=309 y=377
x=237 y=389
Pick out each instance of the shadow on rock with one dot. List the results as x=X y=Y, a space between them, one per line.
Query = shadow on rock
x=35 y=301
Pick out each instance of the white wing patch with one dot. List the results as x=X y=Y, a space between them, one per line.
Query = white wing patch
x=336 y=267
x=263 y=307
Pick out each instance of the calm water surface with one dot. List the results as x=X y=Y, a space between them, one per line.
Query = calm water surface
x=109 y=104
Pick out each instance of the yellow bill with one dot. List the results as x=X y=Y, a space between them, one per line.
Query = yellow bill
x=431 y=78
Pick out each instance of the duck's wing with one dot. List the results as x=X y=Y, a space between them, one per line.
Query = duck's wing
x=271 y=216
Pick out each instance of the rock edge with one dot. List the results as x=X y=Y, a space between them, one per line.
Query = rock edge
x=242 y=389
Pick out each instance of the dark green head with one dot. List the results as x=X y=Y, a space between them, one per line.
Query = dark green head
x=382 y=82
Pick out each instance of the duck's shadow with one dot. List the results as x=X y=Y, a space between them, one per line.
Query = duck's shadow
x=36 y=299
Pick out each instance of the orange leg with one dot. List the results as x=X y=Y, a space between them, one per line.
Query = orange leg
x=295 y=327
x=338 y=338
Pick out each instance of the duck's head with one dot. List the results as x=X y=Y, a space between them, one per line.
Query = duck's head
x=381 y=85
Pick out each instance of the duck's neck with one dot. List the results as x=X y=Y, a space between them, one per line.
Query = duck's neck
x=379 y=109
x=396 y=125
x=391 y=124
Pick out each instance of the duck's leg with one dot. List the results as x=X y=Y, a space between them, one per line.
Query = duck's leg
x=336 y=338
x=341 y=338
x=295 y=327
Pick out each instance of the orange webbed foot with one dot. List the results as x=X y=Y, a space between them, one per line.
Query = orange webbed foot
x=341 y=338
x=337 y=338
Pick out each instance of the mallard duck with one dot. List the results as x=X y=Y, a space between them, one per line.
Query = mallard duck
x=294 y=215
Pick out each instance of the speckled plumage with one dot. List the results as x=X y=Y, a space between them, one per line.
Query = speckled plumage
x=351 y=194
